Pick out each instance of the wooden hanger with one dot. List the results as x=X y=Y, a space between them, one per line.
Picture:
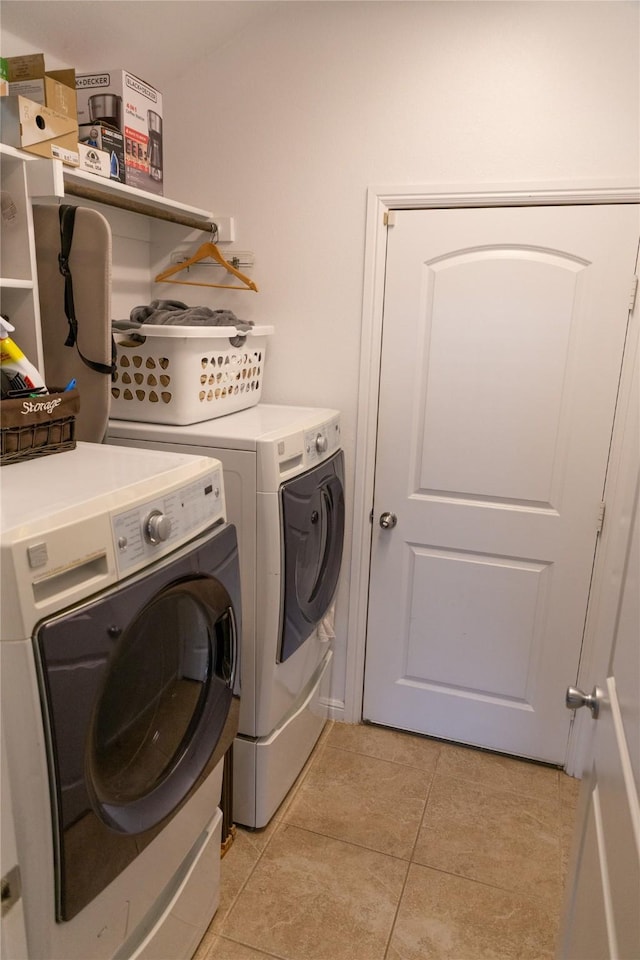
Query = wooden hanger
x=208 y=249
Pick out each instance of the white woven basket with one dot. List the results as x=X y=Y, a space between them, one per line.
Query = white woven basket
x=184 y=375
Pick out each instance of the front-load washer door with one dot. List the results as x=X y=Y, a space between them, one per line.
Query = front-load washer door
x=140 y=687
x=312 y=537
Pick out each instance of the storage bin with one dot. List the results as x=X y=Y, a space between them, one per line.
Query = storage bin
x=38 y=426
x=181 y=375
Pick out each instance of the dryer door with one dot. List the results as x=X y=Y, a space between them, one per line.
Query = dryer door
x=140 y=691
x=313 y=536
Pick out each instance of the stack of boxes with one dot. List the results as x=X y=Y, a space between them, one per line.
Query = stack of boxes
x=107 y=123
x=39 y=110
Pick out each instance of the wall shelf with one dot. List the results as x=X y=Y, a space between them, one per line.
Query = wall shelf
x=77 y=183
x=53 y=179
x=138 y=247
x=11 y=283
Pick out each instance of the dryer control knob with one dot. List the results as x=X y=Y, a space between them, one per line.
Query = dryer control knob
x=157 y=527
x=321 y=443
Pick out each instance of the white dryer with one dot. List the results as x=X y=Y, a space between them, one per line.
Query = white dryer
x=119 y=651
x=283 y=475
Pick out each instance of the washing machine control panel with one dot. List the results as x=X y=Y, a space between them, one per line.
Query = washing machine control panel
x=157 y=526
x=321 y=441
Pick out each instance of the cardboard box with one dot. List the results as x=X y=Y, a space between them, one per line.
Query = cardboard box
x=37 y=129
x=55 y=89
x=26 y=67
x=107 y=140
x=116 y=98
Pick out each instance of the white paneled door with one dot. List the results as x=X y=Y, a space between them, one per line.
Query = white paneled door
x=503 y=336
x=602 y=918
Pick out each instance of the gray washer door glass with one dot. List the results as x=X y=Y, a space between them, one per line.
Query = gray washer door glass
x=313 y=535
x=163 y=704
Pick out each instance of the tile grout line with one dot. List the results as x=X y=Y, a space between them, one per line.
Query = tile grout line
x=517 y=894
x=530 y=794
x=498 y=790
x=494 y=791
x=413 y=848
x=348 y=843
x=241 y=943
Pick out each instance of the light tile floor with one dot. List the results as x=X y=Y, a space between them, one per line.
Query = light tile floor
x=396 y=847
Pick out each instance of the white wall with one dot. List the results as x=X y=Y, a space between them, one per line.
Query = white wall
x=287 y=126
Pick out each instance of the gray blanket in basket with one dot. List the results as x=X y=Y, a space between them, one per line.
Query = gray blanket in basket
x=174 y=313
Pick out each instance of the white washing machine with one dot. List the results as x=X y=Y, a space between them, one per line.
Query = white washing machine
x=283 y=475
x=119 y=646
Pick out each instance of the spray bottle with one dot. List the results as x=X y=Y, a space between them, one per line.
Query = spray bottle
x=18 y=374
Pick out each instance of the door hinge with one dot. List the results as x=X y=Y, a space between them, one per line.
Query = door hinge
x=389 y=218
x=632 y=296
x=601 y=512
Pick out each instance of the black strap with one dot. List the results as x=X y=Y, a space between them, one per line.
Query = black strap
x=67 y=221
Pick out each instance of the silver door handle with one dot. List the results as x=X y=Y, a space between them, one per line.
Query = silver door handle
x=575 y=699
x=388 y=521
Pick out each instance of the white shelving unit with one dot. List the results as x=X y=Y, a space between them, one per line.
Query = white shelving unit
x=138 y=219
x=18 y=275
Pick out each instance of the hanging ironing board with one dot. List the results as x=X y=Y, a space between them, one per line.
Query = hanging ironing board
x=90 y=264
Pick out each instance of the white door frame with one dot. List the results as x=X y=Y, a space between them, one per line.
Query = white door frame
x=381 y=201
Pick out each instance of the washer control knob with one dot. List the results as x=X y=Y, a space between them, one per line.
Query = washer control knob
x=157 y=527
x=321 y=443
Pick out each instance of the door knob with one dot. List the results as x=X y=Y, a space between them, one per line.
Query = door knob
x=576 y=698
x=388 y=521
